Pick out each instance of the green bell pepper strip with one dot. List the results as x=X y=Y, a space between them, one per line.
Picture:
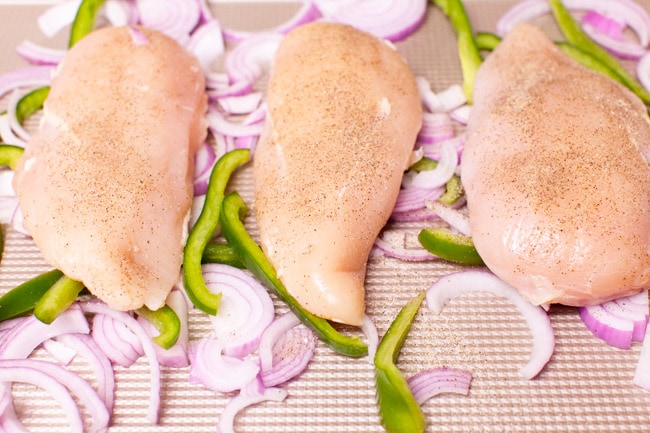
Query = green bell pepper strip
x=469 y=55
x=166 y=322
x=57 y=299
x=23 y=298
x=84 y=21
x=10 y=154
x=233 y=212
x=206 y=226
x=398 y=409
x=447 y=245
x=31 y=103
x=453 y=187
x=221 y=253
x=576 y=36
x=486 y=41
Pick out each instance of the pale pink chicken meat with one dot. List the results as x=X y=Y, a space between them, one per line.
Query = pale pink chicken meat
x=556 y=174
x=344 y=114
x=105 y=184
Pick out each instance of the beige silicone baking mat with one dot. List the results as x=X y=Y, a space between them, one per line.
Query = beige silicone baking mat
x=585 y=388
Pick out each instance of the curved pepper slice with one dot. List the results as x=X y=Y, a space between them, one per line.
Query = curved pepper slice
x=398 y=409
x=205 y=227
x=84 y=21
x=232 y=213
x=166 y=322
x=31 y=103
x=221 y=253
x=57 y=299
x=10 y=154
x=447 y=245
x=22 y=299
x=453 y=187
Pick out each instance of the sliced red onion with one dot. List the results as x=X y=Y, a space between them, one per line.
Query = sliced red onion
x=14 y=124
x=7 y=134
x=253 y=393
x=20 y=370
x=177 y=355
x=617 y=322
x=455 y=218
x=440 y=175
x=434 y=150
x=625 y=49
x=218 y=124
x=197 y=206
x=28 y=76
x=111 y=338
x=63 y=354
x=98 y=307
x=459 y=283
x=395 y=248
x=429 y=383
x=51 y=385
x=8 y=206
x=642 y=373
x=138 y=37
x=441 y=102
x=386 y=19
x=175 y=18
x=247 y=61
x=245 y=311
x=461 y=114
x=98 y=361
x=9 y=421
x=436 y=127
x=216 y=80
x=121 y=12
x=244 y=104
x=38 y=54
x=239 y=88
x=605 y=24
x=270 y=336
x=292 y=352
x=22 y=339
x=422 y=214
x=57 y=17
x=633 y=14
x=204 y=161
x=219 y=372
x=410 y=199
x=642 y=71
x=372 y=336
x=18 y=221
x=207 y=44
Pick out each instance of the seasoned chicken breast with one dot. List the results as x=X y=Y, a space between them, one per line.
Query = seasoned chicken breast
x=105 y=184
x=556 y=173
x=344 y=114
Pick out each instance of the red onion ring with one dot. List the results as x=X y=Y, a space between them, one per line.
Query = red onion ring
x=28 y=76
x=292 y=352
x=63 y=354
x=410 y=199
x=441 y=102
x=14 y=124
x=219 y=372
x=57 y=17
x=39 y=54
x=253 y=393
x=204 y=161
x=456 y=219
x=245 y=311
x=459 y=283
x=440 y=175
x=7 y=134
x=36 y=371
x=386 y=19
x=430 y=383
x=434 y=150
x=247 y=61
x=395 y=248
x=118 y=346
x=97 y=307
x=207 y=44
x=175 y=18
x=436 y=127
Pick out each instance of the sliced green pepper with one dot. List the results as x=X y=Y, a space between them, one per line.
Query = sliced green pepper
x=221 y=253
x=84 y=21
x=576 y=36
x=10 y=154
x=470 y=57
x=453 y=187
x=486 y=41
x=205 y=228
x=31 y=103
x=454 y=247
x=22 y=299
x=398 y=409
x=166 y=322
x=233 y=211
x=57 y=299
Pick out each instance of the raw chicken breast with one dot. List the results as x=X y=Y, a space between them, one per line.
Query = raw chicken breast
x=556 y=174
x=105 y=184
x=344 y=114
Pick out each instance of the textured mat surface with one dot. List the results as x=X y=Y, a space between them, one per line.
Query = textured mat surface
x=585 y=388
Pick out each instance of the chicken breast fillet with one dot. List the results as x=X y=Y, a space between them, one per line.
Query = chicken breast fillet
x=105 y=184
x=344 y=113
x=556 y=174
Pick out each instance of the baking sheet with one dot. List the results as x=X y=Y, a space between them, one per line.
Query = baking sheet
x=586 y=387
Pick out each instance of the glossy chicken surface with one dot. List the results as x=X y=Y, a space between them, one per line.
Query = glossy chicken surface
x=344 y=113
x=556 y=174
x=105 y=184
